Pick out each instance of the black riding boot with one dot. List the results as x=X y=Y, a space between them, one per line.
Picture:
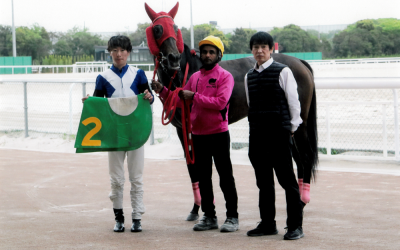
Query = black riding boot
x=119 y=219
x=136 y=225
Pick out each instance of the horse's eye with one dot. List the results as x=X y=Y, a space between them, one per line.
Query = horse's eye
x=158 y=31
x=176 y=28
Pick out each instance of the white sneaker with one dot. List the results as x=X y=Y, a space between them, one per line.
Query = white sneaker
x=231 y=225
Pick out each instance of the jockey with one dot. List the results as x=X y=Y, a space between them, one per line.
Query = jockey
x=209 y=91
x=122 y=80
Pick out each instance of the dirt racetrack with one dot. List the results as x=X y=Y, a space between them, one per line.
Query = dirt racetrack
x=60 y=201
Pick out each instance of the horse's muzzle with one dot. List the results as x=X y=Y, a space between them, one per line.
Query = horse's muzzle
x=173 y=61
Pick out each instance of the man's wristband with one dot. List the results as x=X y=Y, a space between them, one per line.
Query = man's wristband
x=161 y=90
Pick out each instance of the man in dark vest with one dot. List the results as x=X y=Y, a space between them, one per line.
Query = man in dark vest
x=274 y=116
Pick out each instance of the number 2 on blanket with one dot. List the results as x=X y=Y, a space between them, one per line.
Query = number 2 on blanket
x=86 y=140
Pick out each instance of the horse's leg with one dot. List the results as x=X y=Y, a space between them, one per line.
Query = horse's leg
x=300 y=167
x=304 y=155
x=194 y=214
x=308 y=148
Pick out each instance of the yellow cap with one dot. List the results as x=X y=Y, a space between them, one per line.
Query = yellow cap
x=213 y=40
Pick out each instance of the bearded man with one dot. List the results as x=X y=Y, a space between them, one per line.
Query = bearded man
x=209 y=91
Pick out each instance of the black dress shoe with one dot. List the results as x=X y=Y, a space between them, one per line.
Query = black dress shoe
x=136 y=225
x=119 y=219
x=294 y=234
x=262 y=229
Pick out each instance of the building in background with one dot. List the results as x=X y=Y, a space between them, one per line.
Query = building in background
x=139 y=55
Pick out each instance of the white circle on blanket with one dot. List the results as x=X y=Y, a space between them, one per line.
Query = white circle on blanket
x=123 y=106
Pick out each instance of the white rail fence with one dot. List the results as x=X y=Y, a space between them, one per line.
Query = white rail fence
x=355 y=61
x=88 y=67
x=79 y=67
x=357 y=117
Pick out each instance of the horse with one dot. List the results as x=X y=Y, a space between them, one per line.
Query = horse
x=175 y=56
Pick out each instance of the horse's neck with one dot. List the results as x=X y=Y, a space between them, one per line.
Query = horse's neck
x=192 y=60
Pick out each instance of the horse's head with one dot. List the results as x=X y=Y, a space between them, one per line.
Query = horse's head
x=164 y=38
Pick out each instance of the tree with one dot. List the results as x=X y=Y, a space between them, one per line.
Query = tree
x=5 y=41
x=77 y=41
x=139 y=35
x=365 y=24
x=240 y=41
x=34 y=41
x=293 y=39
x=201 y=31
x=62 y=48
x=368 y=38
x=186 y=36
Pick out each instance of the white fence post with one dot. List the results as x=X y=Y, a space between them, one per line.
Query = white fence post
x=396 y=124
x=328 y=130
x=70 y=107
x=83 y=89
x=26 y=108
x=384 y=130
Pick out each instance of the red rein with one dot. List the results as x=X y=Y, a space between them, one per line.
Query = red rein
x=169 y=108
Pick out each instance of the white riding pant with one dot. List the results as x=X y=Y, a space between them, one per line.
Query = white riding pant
x=135 y=161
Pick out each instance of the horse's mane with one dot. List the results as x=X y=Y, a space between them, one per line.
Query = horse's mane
x=190 y=58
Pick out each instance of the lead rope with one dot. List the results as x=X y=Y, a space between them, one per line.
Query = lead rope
x=170 y=106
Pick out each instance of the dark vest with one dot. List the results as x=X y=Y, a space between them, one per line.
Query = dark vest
x=268 y=104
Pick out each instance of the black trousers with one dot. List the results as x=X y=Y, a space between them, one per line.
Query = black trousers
x=217 y=146
x=269 y=150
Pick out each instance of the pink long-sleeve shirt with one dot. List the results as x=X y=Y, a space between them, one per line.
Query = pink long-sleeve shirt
x=212 y=89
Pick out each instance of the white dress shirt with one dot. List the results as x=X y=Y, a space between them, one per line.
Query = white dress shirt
x=289 y=86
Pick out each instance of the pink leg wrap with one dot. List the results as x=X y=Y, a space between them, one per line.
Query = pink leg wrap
x=196 y=193
x=300 y=186
x=306 y=193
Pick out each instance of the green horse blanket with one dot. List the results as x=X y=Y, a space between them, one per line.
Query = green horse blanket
x=113 y=124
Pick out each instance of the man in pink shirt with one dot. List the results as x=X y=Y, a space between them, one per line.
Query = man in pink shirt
x=209 y=90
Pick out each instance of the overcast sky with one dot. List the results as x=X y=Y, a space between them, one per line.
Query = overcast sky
x=123 y=15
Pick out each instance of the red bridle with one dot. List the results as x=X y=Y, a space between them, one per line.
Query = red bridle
x=166 y=20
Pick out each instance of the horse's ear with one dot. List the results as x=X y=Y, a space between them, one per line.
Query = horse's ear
x=179 y=42
x=151 y=42
x=151 y=13
x=174 y=10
